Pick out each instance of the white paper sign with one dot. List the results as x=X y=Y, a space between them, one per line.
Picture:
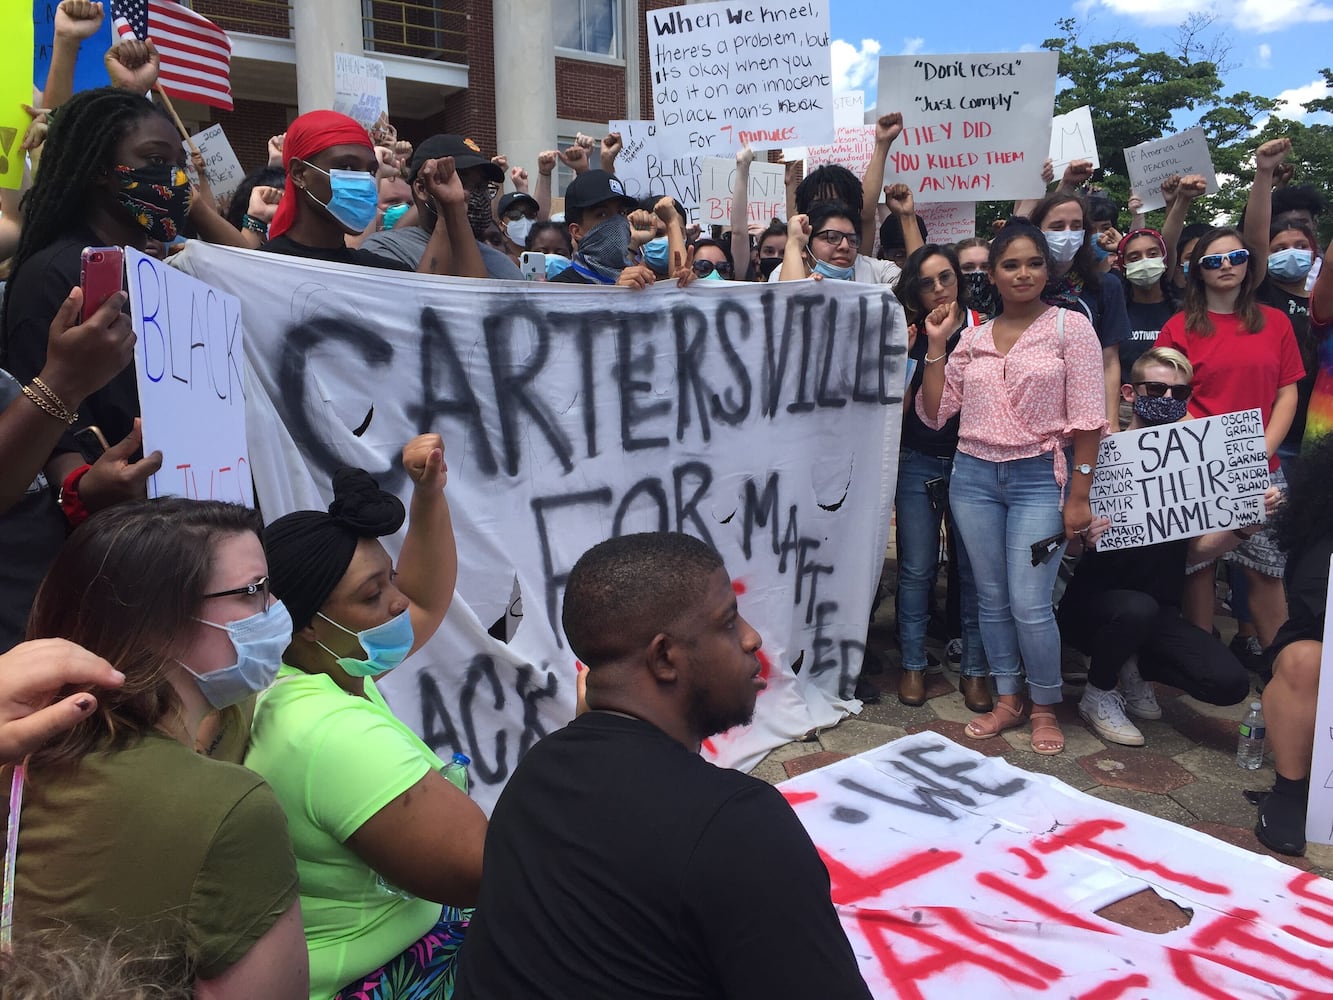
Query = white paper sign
x=1181 y=480
x=645 y=167
x=570 y=414
x=1319 y=811
x=1072 y=139
x=729 y=73
x=977 y=127
x=949 y=221
x=220 y=162
x=766 y=194
x=189 y=361
x=849 y=108
x=1150 y=163
x=359 y=88
x=961 y=876
x=853 y=147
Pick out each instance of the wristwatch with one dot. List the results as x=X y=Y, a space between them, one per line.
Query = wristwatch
x=1084 y=468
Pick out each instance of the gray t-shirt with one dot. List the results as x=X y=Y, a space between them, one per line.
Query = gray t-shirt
x=409 y=243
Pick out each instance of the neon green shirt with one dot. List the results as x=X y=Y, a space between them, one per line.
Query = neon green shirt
x=334 y=760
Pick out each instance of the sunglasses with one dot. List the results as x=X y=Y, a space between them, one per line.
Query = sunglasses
x=703 y=268
x=1159 y=389
x=945 y=279
x=1213 y=261
x=834 y=237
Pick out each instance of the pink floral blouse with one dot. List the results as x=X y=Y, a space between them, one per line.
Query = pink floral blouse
x=1029 y=401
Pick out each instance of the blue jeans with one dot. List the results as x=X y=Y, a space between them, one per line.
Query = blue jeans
x=1000 y=509
x=919 y=562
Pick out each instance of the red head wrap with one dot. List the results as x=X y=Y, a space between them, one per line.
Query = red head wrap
x=311 y=133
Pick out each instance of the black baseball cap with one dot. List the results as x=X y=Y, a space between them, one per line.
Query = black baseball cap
x=592 y=187
x=516 y=198
x=465 y=152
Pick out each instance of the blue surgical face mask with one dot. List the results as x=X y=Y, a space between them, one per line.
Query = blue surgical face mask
x=1064 y=245
x=260 y=641
x=1099 y=254
x=655 y=254
x=555 y=264
x=386 y=646
x=394 y=214
x=831 y=271
x=353 y=198
x=1291 y=264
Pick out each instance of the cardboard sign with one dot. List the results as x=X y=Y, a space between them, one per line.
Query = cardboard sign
x=849 y=108
x=190 y=365
x=1072 y=139
x=729 y=73
x=949 y=221
x=978 y=127
x=1150 y=163
x=15 y=90
x=359 y=88
x=765 y=196
x=957 y=875
x=1319 y=810
x=1181 y=480
x=645 y=167
x=220 y=162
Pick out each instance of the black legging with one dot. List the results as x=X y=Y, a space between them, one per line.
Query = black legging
x=1113 y=625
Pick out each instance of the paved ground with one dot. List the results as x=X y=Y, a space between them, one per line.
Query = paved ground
x=1186 y=773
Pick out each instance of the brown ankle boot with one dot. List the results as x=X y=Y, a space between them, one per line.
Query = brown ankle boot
x=976 y=693
x=912 y=687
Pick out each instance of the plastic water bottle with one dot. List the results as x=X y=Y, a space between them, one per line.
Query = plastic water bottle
x=1250 y=747
x=456 y=771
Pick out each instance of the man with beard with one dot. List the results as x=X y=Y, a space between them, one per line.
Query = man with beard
x=470 y=257
x=619 y=863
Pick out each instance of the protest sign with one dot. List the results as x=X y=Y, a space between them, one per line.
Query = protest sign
x=958 y=875
x=766 y=194
x=1072 y=139
x=189 y=364
x=89 y=68
x=1150 y=163
x=15 y=91
x=762 y=418
x=359 y=88
x=853 y=147
x=729 y=73
x=948 y=221
x=978 y=127
x=645 y=168
x=220 y=162
x=849 y=108
x=1181 y=480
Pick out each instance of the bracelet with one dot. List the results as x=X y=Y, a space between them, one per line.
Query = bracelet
x=254 y=225
x=930 y=361
x=49 y=403
x=68 y=499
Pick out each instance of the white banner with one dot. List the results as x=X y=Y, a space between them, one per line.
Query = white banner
x=1072 y=139
x=1150 y=163
x=1181 y=480
x=762 y=418
x=644 y=168
x=766 y=194
x=740 y=71
x=360 y=89
x=189 y=359
x=220 y=162
x=958 y=875
x=1319 y=812
x=978 y=127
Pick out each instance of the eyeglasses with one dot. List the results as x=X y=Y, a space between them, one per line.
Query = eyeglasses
x=260 y=586
x=1213 y=261
x=834 y=237
x=1159 y=389
x=703 y=268
x=945 y=279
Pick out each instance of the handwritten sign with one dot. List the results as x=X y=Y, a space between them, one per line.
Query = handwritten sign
x=190 y=365
x=849 y=108
x=89 y=69
x=729 y=73
x=645 y=166
x=1150 y=163
x=15 y=90
x=853 y=147
x=359 y=88
x=1181 y=480
x=949 y=221
x=1319 y=811
x=765 y=195
x=978 y=126
x=1072 y=139
x=220 y=162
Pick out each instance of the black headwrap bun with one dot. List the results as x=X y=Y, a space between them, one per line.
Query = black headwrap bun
x=309 y=551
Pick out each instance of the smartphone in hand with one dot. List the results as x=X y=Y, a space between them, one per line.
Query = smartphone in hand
x=101 y=275
x=533 y=265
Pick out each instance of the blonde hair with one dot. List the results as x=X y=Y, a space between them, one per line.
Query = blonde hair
x=64 y=965
x=1168 y=357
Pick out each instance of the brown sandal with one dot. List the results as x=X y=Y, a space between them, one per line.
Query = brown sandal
x=994 y=722
x=1043 y=722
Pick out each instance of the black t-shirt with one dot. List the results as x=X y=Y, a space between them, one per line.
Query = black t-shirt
x=1297 y=309
x=1146 y=320
x=1105 y=309
x=619 y=864
x=917 y=436
x=1307 y=594
x=338 y=255
x=36 y=293
x=1156 y=570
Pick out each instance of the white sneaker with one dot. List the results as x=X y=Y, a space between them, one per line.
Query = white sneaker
x=1104 y=711
x=1140 y=698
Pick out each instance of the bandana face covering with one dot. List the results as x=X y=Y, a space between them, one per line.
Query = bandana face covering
x=479 y=214
x=158 y=198
x=605 y=248
x=1159 y=409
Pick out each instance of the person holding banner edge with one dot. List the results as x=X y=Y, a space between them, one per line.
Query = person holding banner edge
x=1026 y=385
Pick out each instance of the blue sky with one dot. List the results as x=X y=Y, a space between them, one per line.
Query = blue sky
x=1277 y=46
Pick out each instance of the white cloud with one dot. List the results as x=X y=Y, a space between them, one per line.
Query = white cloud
x=911 y=46
x=1250 y=16
x=855 y=68
x=1289 y=101
x=1265 y=56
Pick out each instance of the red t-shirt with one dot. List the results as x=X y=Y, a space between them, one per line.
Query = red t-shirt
x=1235 y=370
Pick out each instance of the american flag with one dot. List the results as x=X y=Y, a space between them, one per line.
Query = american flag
x=196 y=53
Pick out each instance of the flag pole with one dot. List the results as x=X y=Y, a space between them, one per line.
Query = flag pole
x=171 y=110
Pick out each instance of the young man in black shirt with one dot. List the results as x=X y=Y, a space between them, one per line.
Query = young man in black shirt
x=597 y=212
x=619 y=863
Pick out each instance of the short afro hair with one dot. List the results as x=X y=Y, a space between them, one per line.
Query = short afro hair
x=625 y=590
